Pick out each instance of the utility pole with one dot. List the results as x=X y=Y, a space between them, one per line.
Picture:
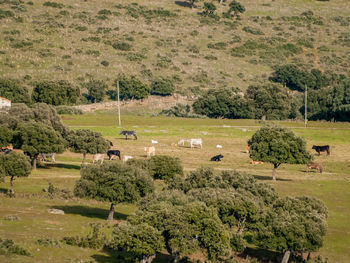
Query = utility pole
x=305 y=114
x=119 y=121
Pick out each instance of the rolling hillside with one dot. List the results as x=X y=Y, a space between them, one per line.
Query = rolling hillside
x=80 y=40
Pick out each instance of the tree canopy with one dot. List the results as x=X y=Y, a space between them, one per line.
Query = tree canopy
x=132 y=88
x=34 y=138
x=113 y=182
x=56 y=92
x=278 y=145
x=5 y=136
x=162 y=87
x=96 y=90
x=142 y=240
x=14 y=165
x=269 y=101
x=87 y=142
x=12 y=89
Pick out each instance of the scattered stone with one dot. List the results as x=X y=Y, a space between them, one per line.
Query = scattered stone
x=56 y=211
x=11 y=218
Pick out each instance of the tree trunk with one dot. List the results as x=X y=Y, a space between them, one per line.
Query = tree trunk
x=148 y=259
x=275 y=166
x=176 y=256
x=12 y=190
x=84 y=157
x=34 y=162
x=111 y=213
x=286 y=257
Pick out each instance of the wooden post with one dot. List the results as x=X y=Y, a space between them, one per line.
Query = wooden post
x=286 y=257
x=305 y=114
x=119 y=121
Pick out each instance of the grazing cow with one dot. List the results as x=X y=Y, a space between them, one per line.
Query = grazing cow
x=45 y=156
x=153 y=141
x=150 y=151
x=194 y=142
x=312 y=165
x=219 y=146
x=112 y=153
x=128 y=133
x=98 y=157
x=320 y=149
x=257 y=162
x=126 y=158
x=216 y=158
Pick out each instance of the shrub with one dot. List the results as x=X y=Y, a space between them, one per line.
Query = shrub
x=105 y=63
x=7 y=247
x=122 y=46
x=96 y=89
x=218 y=45
x=165 y=167
x=53 y=4
x=254 y=31
x=162 y=87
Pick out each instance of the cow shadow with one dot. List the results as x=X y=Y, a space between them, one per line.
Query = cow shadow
x=183 y=4
x=3 y=190
x=263 y=255
x=92 y=212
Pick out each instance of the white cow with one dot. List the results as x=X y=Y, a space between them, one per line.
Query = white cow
x=150 y=151
x=219 y=146
x=98 y=157
x=153 y=141
x=194 y=142
x=126 y=158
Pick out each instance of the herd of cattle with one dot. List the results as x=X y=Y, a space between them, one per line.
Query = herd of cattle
x=150 y=151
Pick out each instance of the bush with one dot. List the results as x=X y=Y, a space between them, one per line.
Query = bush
x=53 y=4
x=122 y=46
x=68 y=110
x=96 y=89
x=8 y=247
x=162 y=87
x=165 y=167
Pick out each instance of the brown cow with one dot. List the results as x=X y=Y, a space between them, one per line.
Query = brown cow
x=312 y=165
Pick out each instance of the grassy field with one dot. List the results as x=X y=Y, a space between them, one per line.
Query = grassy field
x=31 y=203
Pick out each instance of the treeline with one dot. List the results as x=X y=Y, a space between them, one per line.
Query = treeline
x=62 y=92
x=282 y=97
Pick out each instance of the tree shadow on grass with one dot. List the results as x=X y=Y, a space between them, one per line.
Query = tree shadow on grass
x=59 y=165
x=183 y=4
x=263 y=255
x=125 y=257
x=269 y=178
x=3 y=190
x=92 y=212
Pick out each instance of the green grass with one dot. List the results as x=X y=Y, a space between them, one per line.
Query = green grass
x=31 y=203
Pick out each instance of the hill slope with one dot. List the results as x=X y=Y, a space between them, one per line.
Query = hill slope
x=77 y=40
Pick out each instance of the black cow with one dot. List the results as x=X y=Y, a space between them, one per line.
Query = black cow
x=128 y=133
x=217 y=158
x=110 y=154
x=320 y=149
x=110 y=143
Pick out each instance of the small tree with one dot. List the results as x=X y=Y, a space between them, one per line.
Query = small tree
x=97 y=90
x=11 y=89
x=278 y=145
x=165 y=167
x=35 y=138
x=113 y=182
x=162 y=87
x=236 y=8
x=5 y=136
x=87 y=142
x=142 y=240
x=14 y=165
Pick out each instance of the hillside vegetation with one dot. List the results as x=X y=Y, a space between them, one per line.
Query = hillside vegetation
x=81 y=40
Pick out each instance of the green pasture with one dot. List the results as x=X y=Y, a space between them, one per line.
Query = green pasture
x=31 y=203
